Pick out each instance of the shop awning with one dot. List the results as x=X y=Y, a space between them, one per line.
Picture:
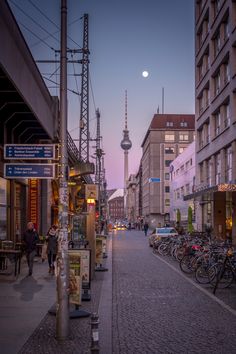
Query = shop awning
x=225 y=187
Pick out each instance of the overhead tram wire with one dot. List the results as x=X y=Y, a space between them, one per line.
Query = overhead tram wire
x=36 y=36
x=52 y=22
x=76 y=82
x=54 y=82
x=91 y=88
x=33 y=20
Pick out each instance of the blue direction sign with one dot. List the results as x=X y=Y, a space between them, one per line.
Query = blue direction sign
x=28 y=151
x=154 y=179
x=31 y=170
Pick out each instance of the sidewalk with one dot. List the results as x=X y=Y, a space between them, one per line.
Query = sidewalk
x=26 y=326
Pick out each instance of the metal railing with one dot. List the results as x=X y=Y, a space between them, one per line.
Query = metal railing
x=73 y=151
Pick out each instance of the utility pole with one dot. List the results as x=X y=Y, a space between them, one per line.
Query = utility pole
x=99 y=154
x=84 y=106
x=62 y=313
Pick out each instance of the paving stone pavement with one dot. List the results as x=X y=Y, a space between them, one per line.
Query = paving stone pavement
x=43 y=340
x=156 y=310
x=146 y=306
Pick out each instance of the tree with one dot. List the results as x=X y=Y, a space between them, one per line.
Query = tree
x=190 y=220
x=178 y=216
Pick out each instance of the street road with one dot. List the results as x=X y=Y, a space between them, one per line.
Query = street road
x=156 y=309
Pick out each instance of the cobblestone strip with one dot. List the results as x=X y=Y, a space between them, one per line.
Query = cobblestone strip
x=43 y=340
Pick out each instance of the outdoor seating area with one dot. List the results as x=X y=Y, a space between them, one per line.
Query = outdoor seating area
x=10 y=258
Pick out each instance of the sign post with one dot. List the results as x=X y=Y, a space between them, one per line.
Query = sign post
x=29 y=170
x=30 y=152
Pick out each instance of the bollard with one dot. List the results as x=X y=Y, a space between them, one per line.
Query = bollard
x=94 y=334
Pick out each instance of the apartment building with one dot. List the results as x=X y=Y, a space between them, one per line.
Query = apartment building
x=116 y=205
x=167 y=137
x=215 y=56
x=182 y=184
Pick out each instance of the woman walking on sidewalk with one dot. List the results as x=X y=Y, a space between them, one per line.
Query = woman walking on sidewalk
x=30 y=240
x=51 y=240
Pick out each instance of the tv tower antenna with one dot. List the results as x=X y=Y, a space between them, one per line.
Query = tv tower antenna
x=126 y=144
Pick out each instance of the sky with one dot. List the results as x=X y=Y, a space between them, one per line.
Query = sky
x=126 y=37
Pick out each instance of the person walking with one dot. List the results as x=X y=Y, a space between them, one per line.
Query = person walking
x=30 y=240
x=51 y=239
x=145 y=228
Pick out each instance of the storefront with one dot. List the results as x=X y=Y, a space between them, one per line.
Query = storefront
x=13 y=209
x=216 y=210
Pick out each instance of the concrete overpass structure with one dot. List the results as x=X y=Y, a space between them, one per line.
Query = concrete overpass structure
x=28 y=115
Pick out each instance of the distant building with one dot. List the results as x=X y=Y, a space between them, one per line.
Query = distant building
x=131 y=198
x=116 y=205
x=167 y=137
x=215 y=87
x=182 y=181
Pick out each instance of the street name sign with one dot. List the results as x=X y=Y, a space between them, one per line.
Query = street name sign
x=154 y=179
x=30 y=152
x=30 y=170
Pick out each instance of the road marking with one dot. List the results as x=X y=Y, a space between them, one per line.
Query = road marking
x=211 y=296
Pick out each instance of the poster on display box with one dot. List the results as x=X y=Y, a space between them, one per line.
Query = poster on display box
x=99 y=253
x=75 y=277
x=85 y=267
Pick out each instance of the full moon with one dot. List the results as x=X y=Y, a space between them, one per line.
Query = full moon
x=145 y=73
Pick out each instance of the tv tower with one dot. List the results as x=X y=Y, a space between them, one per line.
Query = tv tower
x=126 y=145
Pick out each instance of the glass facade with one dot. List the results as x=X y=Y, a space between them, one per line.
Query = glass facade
x=3 y=208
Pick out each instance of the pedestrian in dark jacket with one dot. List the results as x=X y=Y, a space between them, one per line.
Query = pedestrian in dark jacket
x=30 y=240
x=145 y=227
x=51 y=239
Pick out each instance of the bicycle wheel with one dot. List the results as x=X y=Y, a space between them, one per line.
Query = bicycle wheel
x=163 y=249
x=186 y=264
x=180 y=253
x=202 y=274
x=221 y=275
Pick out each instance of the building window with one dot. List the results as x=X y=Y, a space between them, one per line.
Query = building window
x=181 y=149
x=218 y=169
x=227 y=116
x=167 y=163
x=183 y=136
x=226 y=73
x=200 y=101
x=187 y=188
x=183 y=124
x=167 y=202
x=200 y=140
x=178 y=194
x=217 y=43
x=169 y=150
x=226 y=29
x=217 y=83
x=201 y=172
x=169 y=124
x=208 y=132
x=167 y=189
x=167 y=176
x=182 y=191
x=217 y=123
x=228 y=165
x=169 y=137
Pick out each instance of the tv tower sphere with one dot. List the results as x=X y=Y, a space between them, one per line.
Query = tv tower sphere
x=126 y=142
